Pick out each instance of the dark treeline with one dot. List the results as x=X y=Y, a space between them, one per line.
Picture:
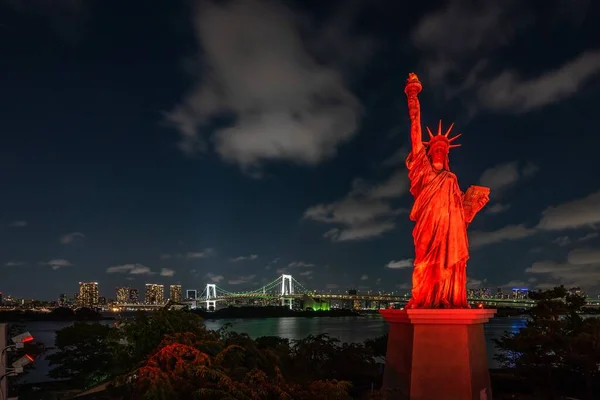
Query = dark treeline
x=57 y=314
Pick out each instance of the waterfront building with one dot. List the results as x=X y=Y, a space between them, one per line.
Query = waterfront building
x=122 y=295
x=134 y=296
x=88 y=294
x=175 y=293
x=155 y=294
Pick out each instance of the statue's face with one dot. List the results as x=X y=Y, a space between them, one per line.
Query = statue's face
x=438 y=155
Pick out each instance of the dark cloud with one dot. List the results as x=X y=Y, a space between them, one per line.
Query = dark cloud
x=256 y=68
x=461 y=44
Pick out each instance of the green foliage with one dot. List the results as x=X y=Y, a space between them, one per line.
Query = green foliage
x=557 y=348
x=171 y=355
x=378 y=346
x=181 y=370
x=84 y=353
x=318 y=356
x=142 y=334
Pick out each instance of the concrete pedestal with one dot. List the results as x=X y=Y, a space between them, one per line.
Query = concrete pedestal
x=437 y=354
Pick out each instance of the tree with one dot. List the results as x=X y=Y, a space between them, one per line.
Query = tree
x=85 y=353
x=378 y=346
x=180 y=370
x=557 y=348
x=323 y=356
x=144 y=333
x=87 y=314
x=62 y=313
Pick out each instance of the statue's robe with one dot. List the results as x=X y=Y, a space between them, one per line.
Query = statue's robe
x=440 y=236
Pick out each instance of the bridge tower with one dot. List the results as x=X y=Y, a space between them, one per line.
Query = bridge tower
x=211 y=296
x=287 y=290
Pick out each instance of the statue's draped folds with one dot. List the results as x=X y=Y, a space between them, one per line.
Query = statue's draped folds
x=440 y=236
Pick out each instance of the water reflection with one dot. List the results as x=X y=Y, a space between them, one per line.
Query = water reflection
x=346 y=329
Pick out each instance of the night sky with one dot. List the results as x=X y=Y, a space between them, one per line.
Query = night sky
x=228 y=142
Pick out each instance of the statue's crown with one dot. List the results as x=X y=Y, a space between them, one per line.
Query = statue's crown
x=441 y=139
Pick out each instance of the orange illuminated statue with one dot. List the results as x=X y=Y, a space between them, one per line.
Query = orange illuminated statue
x=441 y=213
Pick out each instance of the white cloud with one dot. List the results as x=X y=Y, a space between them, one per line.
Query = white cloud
x=71 y=237
x=292 y=265
x=474 y=283
x=18 y=224
x=573 y=214
x=406 y=263
x=359 y=232
x=505 y=175
x=305 y=273
x=584 y=256
x=588 y=236
x=365 y=212
x=562 y=240
x=271 y=263
x=497 y=208
x=465 y=38
x=191 y=255
x=300 y=264
x=283 y=104
x=510 y=92
x=199 y=254
x=516 y=284
x=509 y=232
x=567 y=240
x=244 y=258
x=579 y=213
x=131 y=269
x=240 y=280
x=215 y=278
x=364 y=277
x=59 y=263
x=581 y=269
x=13 y=263
x=167 y=272
x=398 y=158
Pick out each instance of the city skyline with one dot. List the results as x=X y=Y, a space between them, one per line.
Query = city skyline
x=149 y=150
x=177 y=293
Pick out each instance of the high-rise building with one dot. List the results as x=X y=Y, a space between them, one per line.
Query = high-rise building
x=175 y=293
x=122 y=295
x=155 y=294
x=63 y=299
x=191 y=294
x=1 y=299
x=88 y=294
x=134 y=296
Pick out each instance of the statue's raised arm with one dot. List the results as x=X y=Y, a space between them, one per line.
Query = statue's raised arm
x=412 y=88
